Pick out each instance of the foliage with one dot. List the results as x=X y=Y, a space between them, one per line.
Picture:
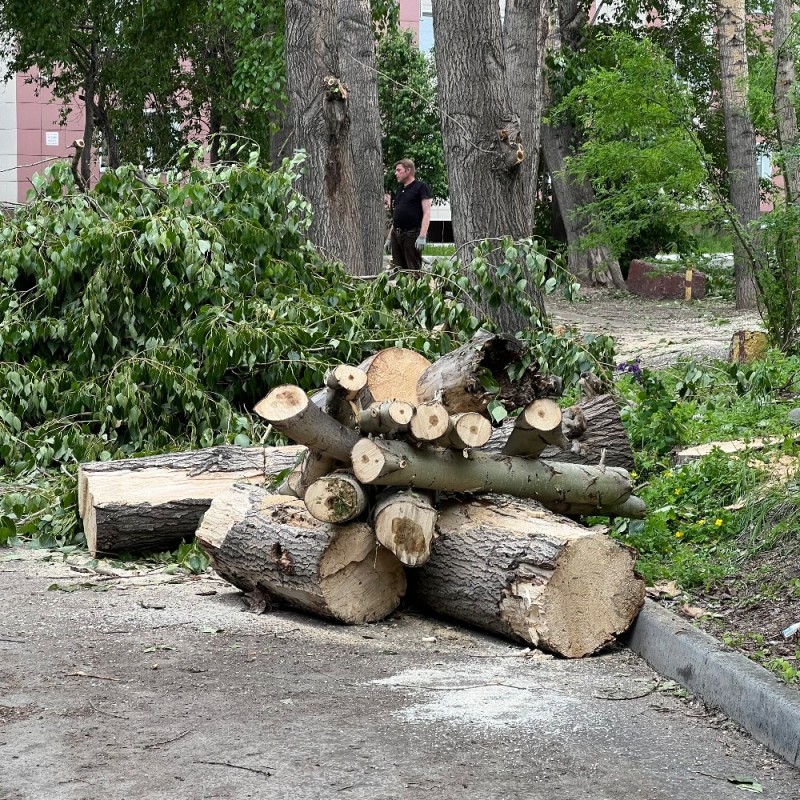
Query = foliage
x=151 y=313
x=646 y=168
x=409 y=118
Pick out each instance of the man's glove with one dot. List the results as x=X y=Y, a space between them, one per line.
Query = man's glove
x=420 y=243
x=387 y=245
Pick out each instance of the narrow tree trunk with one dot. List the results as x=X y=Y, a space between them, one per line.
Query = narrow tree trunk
x=90 y=81
x=740 y=142
x=357 y=46
x=320 y=111
x=524 y=32
x=481 y=131
x=140 y=504
x=784 y=40
x=271 y=543
x=521 y=572
x=591 y=266
x=563 y=486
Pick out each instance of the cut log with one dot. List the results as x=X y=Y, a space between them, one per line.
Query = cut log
x=405 y=523
x=395 y=463
x=537 y=426
x=459 y=379
x=430 y=422
x=289 y=410
x=388 y=418
x=392 y=374
x=346 y=380
x=514 y=569
x=337 y=498
x=469 y=429
x=257 y=540
x=152 y=504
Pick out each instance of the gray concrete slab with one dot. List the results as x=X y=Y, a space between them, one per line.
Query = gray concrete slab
x=747 y=693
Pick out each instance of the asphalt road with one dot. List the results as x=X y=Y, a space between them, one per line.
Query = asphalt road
x=144 y=688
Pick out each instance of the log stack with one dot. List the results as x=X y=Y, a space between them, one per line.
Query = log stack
x=389 y=443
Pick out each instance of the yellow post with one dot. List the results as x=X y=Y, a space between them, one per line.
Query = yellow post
x=687 y=286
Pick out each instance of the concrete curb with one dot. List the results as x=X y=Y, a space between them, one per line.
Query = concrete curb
x=747 y=693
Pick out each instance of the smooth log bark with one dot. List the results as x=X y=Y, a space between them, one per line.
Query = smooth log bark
x=153 y=503
x=395 y=463
x=289 y=410
x=469 y=429
x=405 y=523
x=537 y=426
x=268 y=542
x=458 y=378
x=388 y=418
x=336 y=498
x=430 y=422
x=516 y=570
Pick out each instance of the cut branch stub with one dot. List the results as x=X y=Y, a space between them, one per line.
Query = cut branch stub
x=387 y=417
x=336 y=498
x=289 y=410
x=346 y=380
x=537 y=426
x=469 y=429
x=405 y=523
x=430 y=422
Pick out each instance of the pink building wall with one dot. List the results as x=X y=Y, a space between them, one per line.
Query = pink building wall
x=410 y=15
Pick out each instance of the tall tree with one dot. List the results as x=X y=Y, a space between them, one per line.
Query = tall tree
x=525 y=29
x=786 y=115
x=320 y=113
x=595 y=265
x=357 y=45
x=740 y=140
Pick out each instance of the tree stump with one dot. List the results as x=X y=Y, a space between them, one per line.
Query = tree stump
x=268 y=542
x=517 y=570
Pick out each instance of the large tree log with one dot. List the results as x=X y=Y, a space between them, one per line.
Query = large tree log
x=139 y=504
x=514 y=569
x=395 y=463
x=289 y=410
x=458 y=379
x=260 y=541
x=392 y=374
x=405 y=523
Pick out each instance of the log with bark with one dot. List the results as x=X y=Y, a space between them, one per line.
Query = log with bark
x=153 y=503
x=405 y=523
x=605 y=490
x=337 y=497
x=537 y=426
x=470 y=377
x=269 y=543
x=513 y=568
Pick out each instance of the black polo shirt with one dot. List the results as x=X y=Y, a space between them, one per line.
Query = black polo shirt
x=407 y=214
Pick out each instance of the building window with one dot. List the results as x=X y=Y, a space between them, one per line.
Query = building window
x=426 y=31
x=764 y=165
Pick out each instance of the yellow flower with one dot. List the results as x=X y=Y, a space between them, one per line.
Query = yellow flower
x=678 y=491
x=718 y=522
x=668 y=473
x=679 y=535
x=634 y=474
x=701 y=522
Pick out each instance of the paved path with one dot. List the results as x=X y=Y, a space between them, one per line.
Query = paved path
x=161 y=690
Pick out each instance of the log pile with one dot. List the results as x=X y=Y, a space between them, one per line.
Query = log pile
x=389 y=443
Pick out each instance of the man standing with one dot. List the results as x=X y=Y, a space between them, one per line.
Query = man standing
x=411 y=215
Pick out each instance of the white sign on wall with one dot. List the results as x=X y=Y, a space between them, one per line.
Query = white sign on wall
x=51 y=138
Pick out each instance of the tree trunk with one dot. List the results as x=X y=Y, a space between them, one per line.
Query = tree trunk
x=320 y=111
x=518 y=571
x=458 y=379
x=591 y=266
x=140 y=504
x=357 y=45
x=481 y=132
x=524 y=33
x=90 y=80
x=267 y=542
x=740 y=142
x=568 y=488
x=405 y=523
x=783 y=46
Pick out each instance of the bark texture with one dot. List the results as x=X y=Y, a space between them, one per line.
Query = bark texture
x=514 y=569
x=357 y=45
x=320 y=112
x=141 y=504
x=784 y=40
x=740 y=141
x=267 y=542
